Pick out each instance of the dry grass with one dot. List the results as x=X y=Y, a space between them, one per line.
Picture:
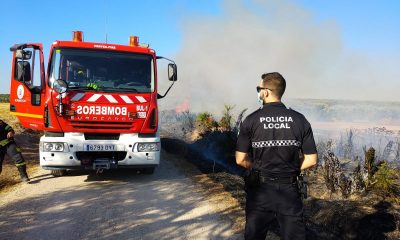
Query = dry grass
x=10 y=119
x=28 y=141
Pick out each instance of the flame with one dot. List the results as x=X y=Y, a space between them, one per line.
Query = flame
x=182 y=107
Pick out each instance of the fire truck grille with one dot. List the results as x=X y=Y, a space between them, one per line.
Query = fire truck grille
x=117 y=155
x=102 y=125
x=101 y=136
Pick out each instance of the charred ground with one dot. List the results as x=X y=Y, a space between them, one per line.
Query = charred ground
x=338 y=207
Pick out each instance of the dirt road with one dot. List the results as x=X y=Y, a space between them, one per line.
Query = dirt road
x=113 y=205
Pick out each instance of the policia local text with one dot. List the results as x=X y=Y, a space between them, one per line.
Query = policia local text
x=276 y=122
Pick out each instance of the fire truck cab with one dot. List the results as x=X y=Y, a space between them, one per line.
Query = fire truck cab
x=96 y=103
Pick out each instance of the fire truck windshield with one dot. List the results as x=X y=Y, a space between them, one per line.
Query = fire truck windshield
x=105 y=71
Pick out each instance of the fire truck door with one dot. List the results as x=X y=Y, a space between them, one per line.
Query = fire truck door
x=28 y=85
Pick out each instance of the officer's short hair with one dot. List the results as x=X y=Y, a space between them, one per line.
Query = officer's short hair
x=275 y=82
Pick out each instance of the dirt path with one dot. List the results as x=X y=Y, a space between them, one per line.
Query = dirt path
x=113 y=205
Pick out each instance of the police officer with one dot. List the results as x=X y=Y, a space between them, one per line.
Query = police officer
x=8 y=146
x=270 y=143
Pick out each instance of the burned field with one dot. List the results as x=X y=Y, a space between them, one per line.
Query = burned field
x=353 y=192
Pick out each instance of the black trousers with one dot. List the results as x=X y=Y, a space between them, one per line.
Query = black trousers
x=268 y=201
x=13 y=152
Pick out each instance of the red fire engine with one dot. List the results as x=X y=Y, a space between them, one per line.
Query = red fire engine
x=96 y=103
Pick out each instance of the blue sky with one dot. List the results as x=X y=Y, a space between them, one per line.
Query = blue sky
x=367 y=27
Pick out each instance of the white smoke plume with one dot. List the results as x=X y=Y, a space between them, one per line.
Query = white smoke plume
x=222 y=58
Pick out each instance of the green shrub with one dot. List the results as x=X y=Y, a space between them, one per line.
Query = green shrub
x=205 y=122
x=385 y=180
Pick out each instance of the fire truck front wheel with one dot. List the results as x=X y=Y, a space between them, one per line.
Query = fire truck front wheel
x=58 y=173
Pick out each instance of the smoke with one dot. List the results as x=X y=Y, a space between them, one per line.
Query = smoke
x=223 y=56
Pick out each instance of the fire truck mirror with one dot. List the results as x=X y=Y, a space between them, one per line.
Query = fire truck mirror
x=60 y=86
x=172 y=72
x=23 y=71
x=23 y=54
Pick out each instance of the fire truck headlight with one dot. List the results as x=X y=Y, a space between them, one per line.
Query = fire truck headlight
x=148 y=147
x=48 y=147
x=53 y=147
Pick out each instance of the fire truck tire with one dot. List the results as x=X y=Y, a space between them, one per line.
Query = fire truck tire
x=148 y=170
x=58 y=173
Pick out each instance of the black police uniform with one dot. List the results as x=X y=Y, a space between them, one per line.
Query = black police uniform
x=274 y=136
x=8 y=146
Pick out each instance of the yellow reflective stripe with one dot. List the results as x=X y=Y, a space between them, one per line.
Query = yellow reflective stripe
x=26 y=115
x=20 y=164
x=4 y=142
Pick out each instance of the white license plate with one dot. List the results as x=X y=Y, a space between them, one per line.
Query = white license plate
x=100 y=147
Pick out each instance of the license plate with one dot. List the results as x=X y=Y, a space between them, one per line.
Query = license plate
x=100 y=147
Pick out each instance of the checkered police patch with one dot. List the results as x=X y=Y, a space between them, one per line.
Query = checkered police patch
x=276 y=143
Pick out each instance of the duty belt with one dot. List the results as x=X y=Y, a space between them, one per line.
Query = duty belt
x=273 y=179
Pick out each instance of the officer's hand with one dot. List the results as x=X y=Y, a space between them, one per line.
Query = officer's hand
x=10 y=134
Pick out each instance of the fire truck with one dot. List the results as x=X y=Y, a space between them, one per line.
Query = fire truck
x=96 y=103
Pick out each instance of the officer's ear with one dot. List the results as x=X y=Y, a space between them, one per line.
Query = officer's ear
x=266 y=94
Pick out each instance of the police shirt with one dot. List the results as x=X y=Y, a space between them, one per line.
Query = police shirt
x=273 y=136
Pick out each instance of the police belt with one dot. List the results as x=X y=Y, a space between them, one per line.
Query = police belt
x=265 y=178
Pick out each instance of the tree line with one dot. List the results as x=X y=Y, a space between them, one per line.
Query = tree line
x=4 y=98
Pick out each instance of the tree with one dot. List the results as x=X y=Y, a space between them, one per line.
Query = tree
x=226 y=120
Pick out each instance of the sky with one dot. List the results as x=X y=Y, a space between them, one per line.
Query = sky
x=325 y=49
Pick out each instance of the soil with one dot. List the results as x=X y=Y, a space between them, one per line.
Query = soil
x=113 y=205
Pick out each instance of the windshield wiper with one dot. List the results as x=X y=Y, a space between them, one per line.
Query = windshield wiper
x=113 y=89
x=123 y=89
x=80 y=87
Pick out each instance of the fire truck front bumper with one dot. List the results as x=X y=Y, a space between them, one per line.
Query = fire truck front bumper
x=73 y=151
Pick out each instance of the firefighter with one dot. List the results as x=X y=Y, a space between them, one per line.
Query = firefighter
x=80 y=76
x=8 y=146
x=270 y=143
